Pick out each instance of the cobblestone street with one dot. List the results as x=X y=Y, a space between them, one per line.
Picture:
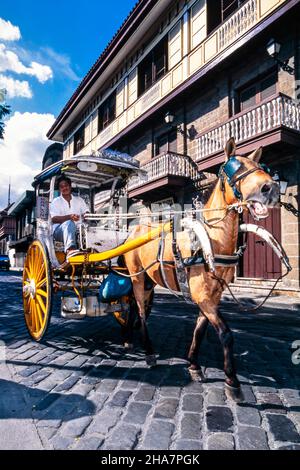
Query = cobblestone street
x=80 y=390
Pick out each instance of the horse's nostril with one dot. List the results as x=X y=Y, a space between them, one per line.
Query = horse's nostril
x=266 y=188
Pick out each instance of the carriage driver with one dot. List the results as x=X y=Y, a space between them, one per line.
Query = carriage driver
x=67 y=211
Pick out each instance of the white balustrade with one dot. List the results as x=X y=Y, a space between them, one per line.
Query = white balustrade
x=238 y=23
x=164 y=165
x=279 y=111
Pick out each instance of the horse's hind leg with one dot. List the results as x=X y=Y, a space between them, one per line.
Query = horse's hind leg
x=199 y=333
x=232 y=384
x=139 y=293
x=127 y=330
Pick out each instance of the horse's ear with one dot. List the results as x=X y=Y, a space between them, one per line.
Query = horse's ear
x=256 y=155
x=230 y=148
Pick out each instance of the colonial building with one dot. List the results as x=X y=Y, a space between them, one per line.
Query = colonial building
x=7 y=230
x=179 y=78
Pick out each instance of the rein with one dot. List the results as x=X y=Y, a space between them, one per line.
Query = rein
x=228 y=170
x=240 y=304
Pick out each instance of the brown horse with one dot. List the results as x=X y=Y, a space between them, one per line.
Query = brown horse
x=250 y=184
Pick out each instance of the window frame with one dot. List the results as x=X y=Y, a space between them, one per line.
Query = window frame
x=79 y=134
x=150 y=61
x=257 y=84
x=167 y=135
x=107 y=112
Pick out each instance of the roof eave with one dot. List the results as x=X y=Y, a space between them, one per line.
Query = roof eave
x=125 y=31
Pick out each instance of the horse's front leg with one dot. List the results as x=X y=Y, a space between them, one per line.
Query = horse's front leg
x=232 y=384
x=139 y=293
x=199 y=333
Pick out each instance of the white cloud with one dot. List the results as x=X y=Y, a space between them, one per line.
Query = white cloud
x=60 y=63
x=22 y=151
x=9 y=32
x=15 y=88
x=9 y=61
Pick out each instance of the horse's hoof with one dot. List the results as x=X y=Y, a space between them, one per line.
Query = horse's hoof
x=196 y=375
x=128 y=346
x=151 y=360
x=234 y=393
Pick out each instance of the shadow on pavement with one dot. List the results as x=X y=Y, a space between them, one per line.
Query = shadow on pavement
x=262 y=349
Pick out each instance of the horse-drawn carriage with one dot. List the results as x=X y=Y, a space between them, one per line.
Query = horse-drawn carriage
x=199 y=262
x=100 y=239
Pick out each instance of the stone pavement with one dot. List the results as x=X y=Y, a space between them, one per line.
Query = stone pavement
x=79 y=390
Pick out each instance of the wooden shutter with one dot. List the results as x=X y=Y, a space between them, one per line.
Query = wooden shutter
x=120 y=99
x=132 y=87
x=198 y=23
x=175 y=45
x=94 y=124
x=87 y=131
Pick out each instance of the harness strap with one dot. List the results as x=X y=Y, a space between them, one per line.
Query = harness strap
x=220 y=260
x=243 y=175
x=180 y=268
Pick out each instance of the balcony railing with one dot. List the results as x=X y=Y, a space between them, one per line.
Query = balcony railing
x=238 y=23
x=250 y=14
x=168 y=164
x=277 y=112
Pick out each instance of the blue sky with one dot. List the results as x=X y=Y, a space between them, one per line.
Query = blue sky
x=75 y=29
x=46 y=48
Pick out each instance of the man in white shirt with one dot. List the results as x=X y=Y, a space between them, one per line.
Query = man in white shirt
x=66 y=213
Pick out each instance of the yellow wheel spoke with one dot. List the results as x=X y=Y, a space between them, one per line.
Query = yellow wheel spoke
x=42 y=293
x=40 y=266
x=42 y=305
x=32 y=315
x=39 y=313
x=40 y=273
x=30 y=262
x=38 y=262
x=27 y=271
x=41 y=283
x=37 y=319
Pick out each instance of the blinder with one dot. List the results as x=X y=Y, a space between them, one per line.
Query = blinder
x=230 y=169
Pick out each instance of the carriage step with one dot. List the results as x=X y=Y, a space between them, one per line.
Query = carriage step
x=91 y=307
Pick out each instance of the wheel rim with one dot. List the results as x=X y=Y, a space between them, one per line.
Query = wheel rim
x=37 y=290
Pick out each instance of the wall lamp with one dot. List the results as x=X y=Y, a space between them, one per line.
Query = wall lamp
x=283 y=185
x=189 y=133
x=273 y=49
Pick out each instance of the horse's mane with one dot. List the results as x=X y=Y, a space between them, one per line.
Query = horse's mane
x=207 y=192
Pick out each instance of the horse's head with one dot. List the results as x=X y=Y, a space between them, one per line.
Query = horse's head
x=244 y=179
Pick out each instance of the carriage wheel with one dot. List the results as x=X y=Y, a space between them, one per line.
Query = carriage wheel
x=37 y=290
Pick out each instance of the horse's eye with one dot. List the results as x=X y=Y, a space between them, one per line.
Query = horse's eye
x=266 y=188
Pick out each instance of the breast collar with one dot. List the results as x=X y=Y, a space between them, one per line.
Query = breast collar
x=230 y=169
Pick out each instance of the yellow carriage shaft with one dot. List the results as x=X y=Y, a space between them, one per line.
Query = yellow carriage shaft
x=122 y=249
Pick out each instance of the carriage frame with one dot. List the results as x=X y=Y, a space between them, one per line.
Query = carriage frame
x=46 y=272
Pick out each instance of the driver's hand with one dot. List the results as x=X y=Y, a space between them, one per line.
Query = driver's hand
x=75 y=217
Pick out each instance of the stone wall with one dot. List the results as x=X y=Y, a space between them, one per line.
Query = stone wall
x=290 y=224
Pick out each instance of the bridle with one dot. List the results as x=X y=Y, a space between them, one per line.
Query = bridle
x=231 y=168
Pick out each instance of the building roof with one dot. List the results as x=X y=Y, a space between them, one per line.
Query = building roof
x=4 y=212
x=24 y=201
x=128 y=27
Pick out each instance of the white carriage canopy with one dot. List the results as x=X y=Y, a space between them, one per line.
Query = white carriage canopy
x=97 y=171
